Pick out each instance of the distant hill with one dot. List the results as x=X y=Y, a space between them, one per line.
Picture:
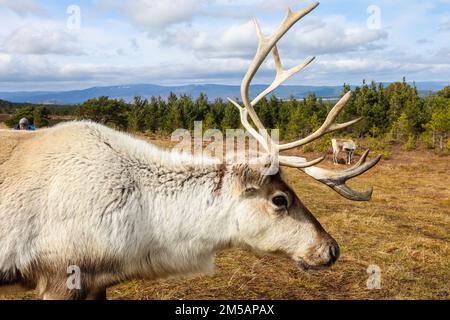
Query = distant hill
x=213 y=91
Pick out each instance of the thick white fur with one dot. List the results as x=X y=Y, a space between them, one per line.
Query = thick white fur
x=120 y=208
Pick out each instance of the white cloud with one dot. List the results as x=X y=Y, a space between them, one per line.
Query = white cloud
x=234 y=41
x=424 y=41
x=330 y=35
x=22 y=7
x=380 y=67
x=33 y=69
x=153 y=16
x=161 y=13
x=27 y=40
x=189 y=41
x=334 y=35
x=444 y=25
x=134 y=44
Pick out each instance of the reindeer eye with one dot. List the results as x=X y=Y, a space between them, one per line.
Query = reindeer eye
x=280 y=201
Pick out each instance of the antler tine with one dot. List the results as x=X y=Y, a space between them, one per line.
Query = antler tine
x=337 y=180
x=298 y=162
x=328 y=126
x=264 y=47
x=359 y=168
x=360 y=161
x=244 y=120
x=281 y=76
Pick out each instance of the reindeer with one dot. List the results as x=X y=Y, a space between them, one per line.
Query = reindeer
x=343 y=145
x=118 y=208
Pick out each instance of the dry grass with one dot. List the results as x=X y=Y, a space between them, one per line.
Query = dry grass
x=405 y=230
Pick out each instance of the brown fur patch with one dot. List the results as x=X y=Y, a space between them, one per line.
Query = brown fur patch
x=221 y=170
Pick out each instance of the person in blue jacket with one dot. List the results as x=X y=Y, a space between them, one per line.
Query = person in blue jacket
x=24 y=124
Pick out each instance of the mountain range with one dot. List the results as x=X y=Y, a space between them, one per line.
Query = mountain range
x=213 y=91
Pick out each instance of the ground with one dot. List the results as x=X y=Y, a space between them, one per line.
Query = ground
x=404 y=230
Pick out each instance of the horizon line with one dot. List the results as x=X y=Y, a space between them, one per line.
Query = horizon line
x=227 y=85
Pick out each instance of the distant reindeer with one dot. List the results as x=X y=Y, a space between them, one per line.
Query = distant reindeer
x=81 y=196
x=347 y=146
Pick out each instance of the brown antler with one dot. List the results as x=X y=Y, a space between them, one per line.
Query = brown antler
x=335 y=180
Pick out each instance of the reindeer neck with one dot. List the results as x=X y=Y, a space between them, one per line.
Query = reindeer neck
x=205 y=186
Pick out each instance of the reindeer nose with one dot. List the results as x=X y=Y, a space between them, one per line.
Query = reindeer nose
x=333 y=252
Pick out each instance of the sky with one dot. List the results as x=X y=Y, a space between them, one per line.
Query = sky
x=65 y=45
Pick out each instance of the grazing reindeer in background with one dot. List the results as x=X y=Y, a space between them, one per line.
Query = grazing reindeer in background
x=347 y=146
x=119 y=208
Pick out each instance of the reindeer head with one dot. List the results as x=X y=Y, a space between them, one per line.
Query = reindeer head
x=269 y=216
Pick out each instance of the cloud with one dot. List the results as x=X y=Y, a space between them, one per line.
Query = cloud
x=442 y=54
x=22 y=7
x=444 y=25
x=28 y=69
x=153 y=16
x=236 y=41
x=134 y=44
x=330 y=35
x=424 y=41
x=334 y=35
x=381 y=68
x=189 y=41
x=27 y=40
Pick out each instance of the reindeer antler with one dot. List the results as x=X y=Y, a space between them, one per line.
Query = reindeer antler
x=335 y=180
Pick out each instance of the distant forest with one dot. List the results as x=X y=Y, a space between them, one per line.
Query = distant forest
x=394 y=113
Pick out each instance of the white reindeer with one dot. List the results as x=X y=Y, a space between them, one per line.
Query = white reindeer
x=345 y=145
x=81 y=194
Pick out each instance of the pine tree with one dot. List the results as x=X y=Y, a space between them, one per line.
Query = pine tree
x=188 y=111
x=40 y=117
x=201 y=106
x=231 y=118
x=401 y=128
x=151 y=115
x=439 y=126
x=175 y=116
x=445 y=92
x=136 y=115
x=163 y=117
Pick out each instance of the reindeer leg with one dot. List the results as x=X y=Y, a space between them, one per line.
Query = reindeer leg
x=97 y=294
x=56 y=289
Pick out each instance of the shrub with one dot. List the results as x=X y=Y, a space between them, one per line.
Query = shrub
x=379 y=146
x=427 y=139
x=308 y=148
x=323 y=144
x=411 y=143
